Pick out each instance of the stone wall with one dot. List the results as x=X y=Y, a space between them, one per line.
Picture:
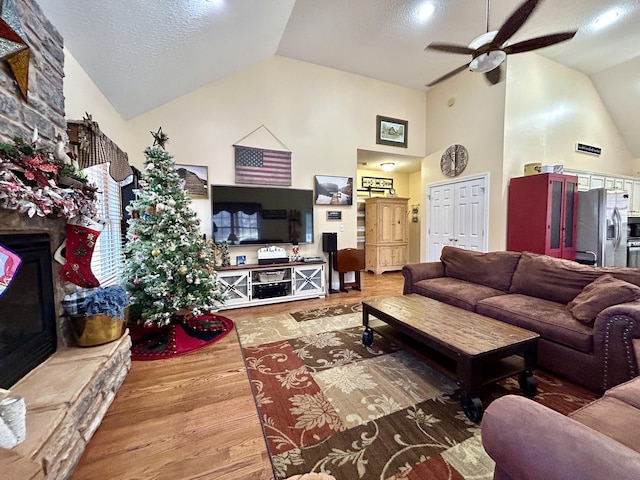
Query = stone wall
x=44 y=108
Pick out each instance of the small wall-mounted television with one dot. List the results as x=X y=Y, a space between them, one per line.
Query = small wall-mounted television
x=243 y=215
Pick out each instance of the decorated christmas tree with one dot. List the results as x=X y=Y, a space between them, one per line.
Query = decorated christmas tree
x=169 y=267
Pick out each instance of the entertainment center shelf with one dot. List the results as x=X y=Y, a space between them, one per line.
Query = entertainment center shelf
x=251 y=285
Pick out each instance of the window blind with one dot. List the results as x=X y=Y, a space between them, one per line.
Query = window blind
x=107 y=260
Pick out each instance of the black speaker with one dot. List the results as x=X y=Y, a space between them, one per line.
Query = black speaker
x=329 y=242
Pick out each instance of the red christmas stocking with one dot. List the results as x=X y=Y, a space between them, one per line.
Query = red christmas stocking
x=82 y=233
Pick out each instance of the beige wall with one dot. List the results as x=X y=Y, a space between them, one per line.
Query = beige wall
x=476 y=120
x=550 y=107
x=415 y=201
x=82 y=96
x=322 y=115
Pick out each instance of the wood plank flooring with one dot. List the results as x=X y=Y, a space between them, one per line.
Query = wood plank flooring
x=194 y=417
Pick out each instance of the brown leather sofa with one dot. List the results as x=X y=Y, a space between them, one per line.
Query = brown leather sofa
x=600 y=441
x=588 y=317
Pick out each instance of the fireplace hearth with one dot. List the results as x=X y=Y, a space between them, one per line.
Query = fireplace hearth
x=28 y=317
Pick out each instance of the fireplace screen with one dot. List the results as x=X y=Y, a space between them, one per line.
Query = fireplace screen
x=27 y=309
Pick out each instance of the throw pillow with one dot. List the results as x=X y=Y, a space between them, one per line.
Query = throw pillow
x=602 y=293
x=492 y=269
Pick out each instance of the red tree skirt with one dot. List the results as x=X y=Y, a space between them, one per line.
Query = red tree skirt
x=188 y=335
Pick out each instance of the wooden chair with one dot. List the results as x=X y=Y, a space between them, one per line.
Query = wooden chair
x=349 y=260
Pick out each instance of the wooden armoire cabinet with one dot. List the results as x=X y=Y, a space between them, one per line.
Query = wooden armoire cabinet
x=542 y=216
x=386 y=236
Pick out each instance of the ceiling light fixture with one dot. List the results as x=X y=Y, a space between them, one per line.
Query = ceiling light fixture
x=426 y=10
x=387 y=166
x=607 y=18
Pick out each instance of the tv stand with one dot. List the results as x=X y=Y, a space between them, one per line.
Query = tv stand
x=251 y=285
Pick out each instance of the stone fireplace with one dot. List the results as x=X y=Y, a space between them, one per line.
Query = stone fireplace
x=68 y=394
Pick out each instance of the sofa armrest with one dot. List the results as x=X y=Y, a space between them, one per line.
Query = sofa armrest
x=414 y=272
x=530 y=441
x=614 y=330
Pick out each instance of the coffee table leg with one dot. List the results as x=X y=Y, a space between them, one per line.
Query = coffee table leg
x=367 y=335
x=528 y=383
x=471 y=406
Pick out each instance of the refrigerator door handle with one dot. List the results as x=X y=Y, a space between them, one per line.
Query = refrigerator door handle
x=617 y=224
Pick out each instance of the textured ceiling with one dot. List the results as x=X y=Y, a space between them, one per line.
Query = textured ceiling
x=141 y=56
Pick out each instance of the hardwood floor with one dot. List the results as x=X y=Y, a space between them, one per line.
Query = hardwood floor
x=194 y=417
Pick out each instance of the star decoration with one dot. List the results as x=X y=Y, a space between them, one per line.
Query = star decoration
x=159 y=138
x=13 y=47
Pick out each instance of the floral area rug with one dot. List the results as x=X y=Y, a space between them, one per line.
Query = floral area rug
x=187 y=335
x=329 y=404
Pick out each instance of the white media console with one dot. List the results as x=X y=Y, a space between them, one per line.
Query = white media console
x=250 y=285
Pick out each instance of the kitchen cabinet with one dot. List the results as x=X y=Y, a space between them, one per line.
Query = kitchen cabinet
x=542 y=214
x=386 y=236
x=597 y=181
x=589 y=180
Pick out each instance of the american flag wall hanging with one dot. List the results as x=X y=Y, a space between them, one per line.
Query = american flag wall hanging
x=263 y=167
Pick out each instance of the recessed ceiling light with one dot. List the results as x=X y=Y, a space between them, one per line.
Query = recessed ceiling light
x=426 y=10
x=607 y=18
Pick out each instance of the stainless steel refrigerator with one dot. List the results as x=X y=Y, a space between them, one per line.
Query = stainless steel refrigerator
x=602 y=226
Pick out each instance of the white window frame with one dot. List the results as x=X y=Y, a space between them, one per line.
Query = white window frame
x=108 y=260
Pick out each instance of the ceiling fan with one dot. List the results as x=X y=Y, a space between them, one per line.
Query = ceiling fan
x=489 y=50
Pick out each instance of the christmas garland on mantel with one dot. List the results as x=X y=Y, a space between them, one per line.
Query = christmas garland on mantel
x=38 y=182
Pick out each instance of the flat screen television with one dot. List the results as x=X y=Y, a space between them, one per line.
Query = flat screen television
x=244 y=215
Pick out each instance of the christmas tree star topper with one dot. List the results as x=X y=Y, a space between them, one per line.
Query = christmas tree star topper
x=159 y=138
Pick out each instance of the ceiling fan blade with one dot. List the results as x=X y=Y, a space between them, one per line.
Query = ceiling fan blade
x=449 y=75
x=538 y=42
x=449 y=48
x=494 y=76
x=514 y=22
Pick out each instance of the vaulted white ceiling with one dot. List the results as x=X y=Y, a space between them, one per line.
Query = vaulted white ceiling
x=142 y=54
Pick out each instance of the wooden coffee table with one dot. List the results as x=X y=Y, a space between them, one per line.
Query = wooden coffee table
x=472 y=349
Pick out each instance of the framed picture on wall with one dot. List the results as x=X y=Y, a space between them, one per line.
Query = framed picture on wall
x=195 y=179
x=333 y=190
x=391 y=131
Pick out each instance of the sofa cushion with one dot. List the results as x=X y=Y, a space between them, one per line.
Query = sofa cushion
x=603 y=292
x=561 y=280
x=550 y=319
x=492 y=269
x=614 y=418
x=454 y=292
x=628 y=392
x=551 y=278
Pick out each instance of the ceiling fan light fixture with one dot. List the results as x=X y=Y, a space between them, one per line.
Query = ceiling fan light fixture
x=387 y=166
x=487 y=61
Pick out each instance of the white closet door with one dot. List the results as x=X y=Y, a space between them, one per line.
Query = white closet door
x=469 y=215
x=440 y=219
x=457 y=216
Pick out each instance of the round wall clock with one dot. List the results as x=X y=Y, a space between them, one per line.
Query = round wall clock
x=454 y=160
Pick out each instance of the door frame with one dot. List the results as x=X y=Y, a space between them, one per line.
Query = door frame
x=480 y=176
